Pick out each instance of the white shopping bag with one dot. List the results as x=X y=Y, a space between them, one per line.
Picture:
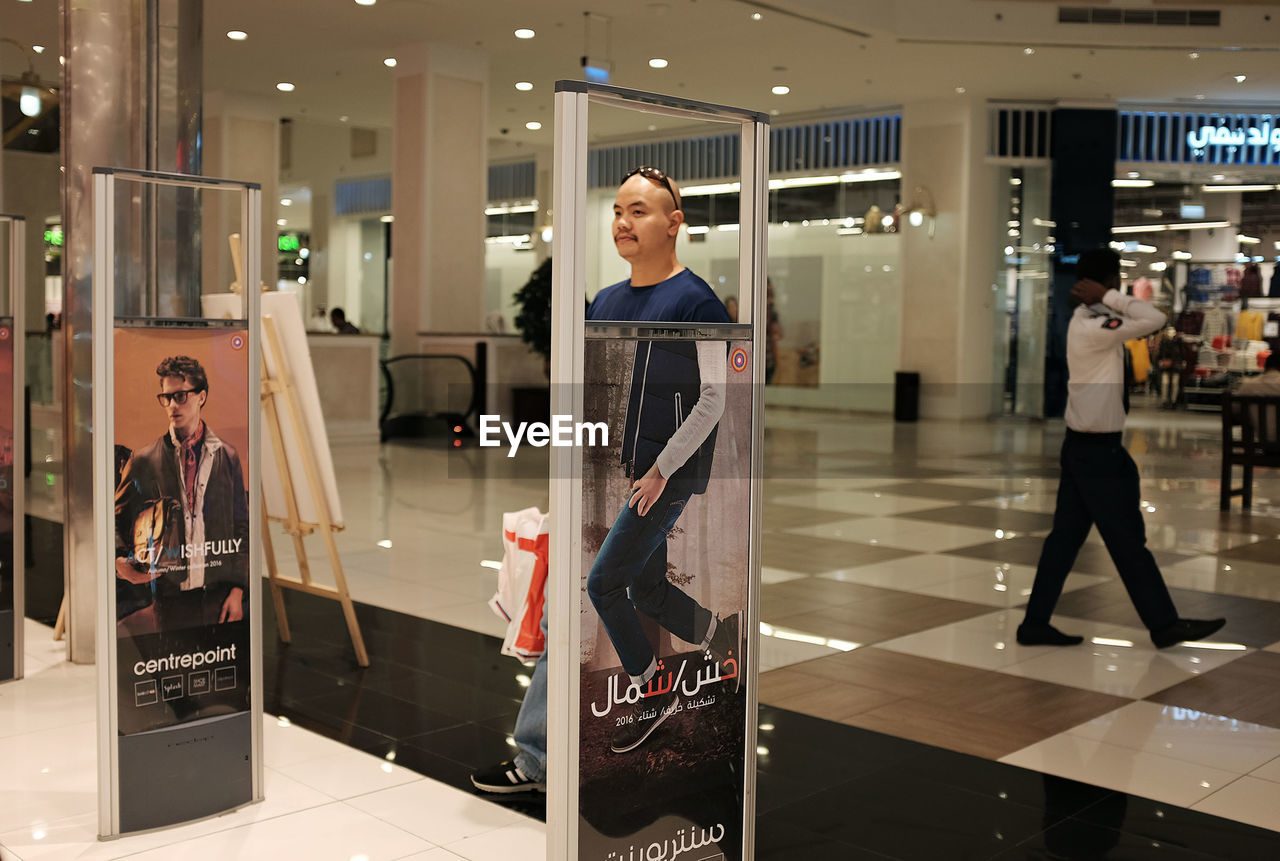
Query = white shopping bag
x=522 y=583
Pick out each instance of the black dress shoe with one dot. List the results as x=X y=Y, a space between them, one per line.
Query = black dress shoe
x=1185 y=630
x=1045 y=635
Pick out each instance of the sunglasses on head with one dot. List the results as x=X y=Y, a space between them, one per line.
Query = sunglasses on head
x=657 y=176
x=179 y=397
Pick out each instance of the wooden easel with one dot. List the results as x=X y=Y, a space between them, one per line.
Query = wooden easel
x=293 y=524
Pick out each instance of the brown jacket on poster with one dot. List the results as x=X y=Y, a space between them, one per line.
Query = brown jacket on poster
x=152 y=479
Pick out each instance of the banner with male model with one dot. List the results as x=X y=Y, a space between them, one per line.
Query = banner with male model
x=663 y=705
x=182 y=535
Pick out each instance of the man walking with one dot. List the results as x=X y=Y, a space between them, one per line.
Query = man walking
x=1099 y=483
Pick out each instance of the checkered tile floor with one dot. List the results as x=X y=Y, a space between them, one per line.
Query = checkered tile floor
x=898 y=558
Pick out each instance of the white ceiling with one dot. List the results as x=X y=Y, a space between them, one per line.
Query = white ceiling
x=332 y=50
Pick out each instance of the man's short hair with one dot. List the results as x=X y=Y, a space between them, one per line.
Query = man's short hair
x=1273 y=361
x=1098 y=264
x=187 y=368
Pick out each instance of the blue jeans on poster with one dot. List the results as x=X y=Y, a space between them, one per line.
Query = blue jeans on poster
x=630 y=575
x=531 y=723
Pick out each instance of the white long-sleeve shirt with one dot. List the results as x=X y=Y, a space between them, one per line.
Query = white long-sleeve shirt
x=1095 y=359
x=693 y=432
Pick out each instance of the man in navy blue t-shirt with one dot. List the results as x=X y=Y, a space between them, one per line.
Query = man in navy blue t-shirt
x=629 y=573
x=683 y=387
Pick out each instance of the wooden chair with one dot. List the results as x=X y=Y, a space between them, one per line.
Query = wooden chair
x=1258 y=444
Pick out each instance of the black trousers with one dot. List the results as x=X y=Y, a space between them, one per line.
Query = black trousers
x=1099 y=486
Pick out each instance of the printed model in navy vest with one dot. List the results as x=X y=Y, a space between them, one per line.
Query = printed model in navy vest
x=664 y=377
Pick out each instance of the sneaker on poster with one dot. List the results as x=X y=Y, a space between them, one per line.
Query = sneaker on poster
x=726 y=642
x=647 y=716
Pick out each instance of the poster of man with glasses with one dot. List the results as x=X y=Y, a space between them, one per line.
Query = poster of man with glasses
x=182 y=521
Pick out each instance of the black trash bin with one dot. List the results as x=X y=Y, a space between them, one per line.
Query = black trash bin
x=906 y=396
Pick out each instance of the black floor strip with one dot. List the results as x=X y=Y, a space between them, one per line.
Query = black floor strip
x=442 y=701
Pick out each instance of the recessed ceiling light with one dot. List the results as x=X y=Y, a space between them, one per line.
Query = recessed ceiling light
x=533 y=125
x=960 y=90
x=344 y=118
x=525 y=33
x=387 y=219
x=39 y=49
x=237 y=35
x=280 y=222
x=1028 y=51
x=1200 y=96
x=1195 y=55
x=1133 y=174
x=781 y=90
x=1240 y=79
x=652 y=127
x=524 y=86
x=285 y=201
x=284 y=87
x=365 y=2
x=1218 y=177
x=756 y=16
x=390 y=62
x=657 y=63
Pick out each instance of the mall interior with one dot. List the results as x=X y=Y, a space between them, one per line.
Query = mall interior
x=934 y=169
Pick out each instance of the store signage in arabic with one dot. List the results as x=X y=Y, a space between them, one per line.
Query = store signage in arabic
x=1208 y=136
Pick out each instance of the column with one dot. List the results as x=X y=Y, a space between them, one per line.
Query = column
x=439 y=172
x=948 y=332
x=127 y=104
x=1082 y=205
x=241 y=141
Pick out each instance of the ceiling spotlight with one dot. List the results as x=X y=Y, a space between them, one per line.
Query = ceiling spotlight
x=1195 y=55
x=29 y=102
x=344 y=118
x=237 y=35
x=781 y=90
x=1200 y=97
x=39 y=49
x=960 y=90
x=387 y=219
x=365 y=2
x=533 y=125
x=756 y=16
x=1028 y=51
x=284 y=201
x=284 y=87
x=525 y=33
x=1240 y=79
x=280 y=222
x=524 y=86
x=390 y=62
x=657 y=63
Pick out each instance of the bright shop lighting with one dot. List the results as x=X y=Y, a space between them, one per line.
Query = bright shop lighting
x=1132 y=183
x=698 y=228
x=512 y=209
x=389 y=62
x=525 y=33
x=1157 y=228
x=280 y=222
x=237 y=35
x=1247 y=240
x=524 y=86
x=1183 y=255
x=781 y=90
x=285 y=201
x=39 y=49
x=285 y=87
x=1240 y=79
x=387 y=219
x=1225 y=188
x=756 y=16
x=657 y=63
x=365 y=2
x=1028 y=51
x=1159 y=267
x=533 y=125
x=1013 y=180
x=1128 y=263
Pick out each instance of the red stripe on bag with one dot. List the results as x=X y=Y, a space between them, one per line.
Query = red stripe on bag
x=530 y=639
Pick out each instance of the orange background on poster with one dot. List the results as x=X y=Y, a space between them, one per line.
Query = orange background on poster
x=140 y=420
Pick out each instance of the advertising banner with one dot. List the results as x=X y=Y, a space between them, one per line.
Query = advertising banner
x=10 y=570
x=663 y=699
x=182 y=530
